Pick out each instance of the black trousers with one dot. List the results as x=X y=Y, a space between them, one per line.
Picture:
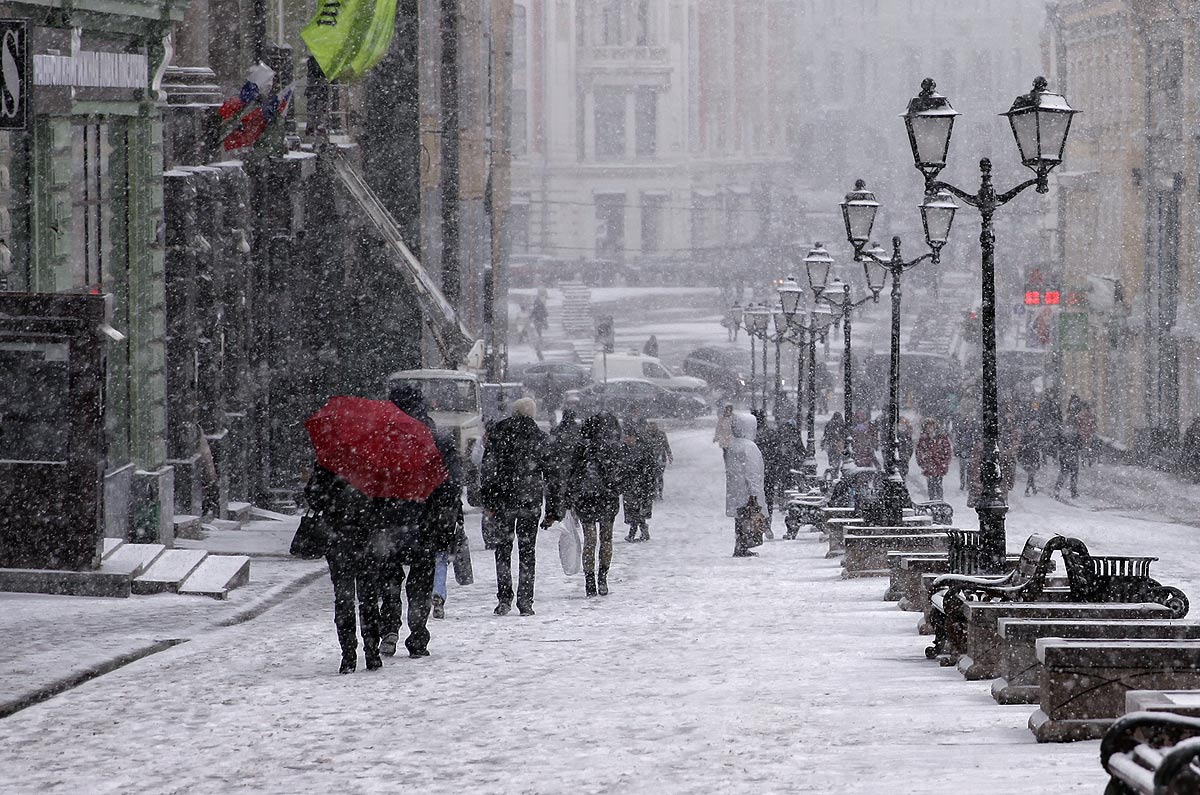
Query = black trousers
x=355 y=575
x=520 y=525
x=417 y=585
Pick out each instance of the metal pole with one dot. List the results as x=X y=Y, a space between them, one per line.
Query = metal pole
x=811 y=447
x=847 y=380
x=895 y=494
x=764 y=372
x=992 y=505
x=778 y=374
x=753 y=364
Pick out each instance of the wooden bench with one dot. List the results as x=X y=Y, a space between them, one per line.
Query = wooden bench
x=1084 y=682
x=1020 y=672
x=1151 y=753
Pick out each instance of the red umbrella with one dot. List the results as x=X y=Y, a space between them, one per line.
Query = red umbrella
x=376 y=448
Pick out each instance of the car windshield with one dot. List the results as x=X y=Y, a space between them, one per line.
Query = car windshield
x=447 y=394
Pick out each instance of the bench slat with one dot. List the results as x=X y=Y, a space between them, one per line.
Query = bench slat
x=1121 y=766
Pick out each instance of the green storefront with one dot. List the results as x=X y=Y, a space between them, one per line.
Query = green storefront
x=81 y=209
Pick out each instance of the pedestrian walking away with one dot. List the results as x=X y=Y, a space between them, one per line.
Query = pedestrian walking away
x=651 y=346
x=638 y=482
x=520 y=474
x=770 y=445
x=1069 y=447
x=744 y=488
x=1029 y=454
x=593 y=492
x=663 y=457
x=833 y=440
x=933 y=455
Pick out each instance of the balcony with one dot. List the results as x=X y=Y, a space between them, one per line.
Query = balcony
x=625 y=56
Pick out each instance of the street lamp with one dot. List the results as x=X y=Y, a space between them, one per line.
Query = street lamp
x=1040 y=122
x=758 y=322
x=820 y=318
x=938 y=214
x=837 y=295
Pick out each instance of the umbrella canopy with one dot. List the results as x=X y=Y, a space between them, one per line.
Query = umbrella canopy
x=376 y=448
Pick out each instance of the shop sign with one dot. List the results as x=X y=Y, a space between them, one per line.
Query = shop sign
x=90 y=69
x=14 y=74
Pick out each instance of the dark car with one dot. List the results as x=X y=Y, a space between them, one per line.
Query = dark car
x=626 y=396
x=720 y=367
x=543 y=377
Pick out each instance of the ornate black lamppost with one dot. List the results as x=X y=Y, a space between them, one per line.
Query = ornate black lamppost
x=1040 y=122
x=757 y=318
x=858 y=213
x=820 y=318
x=842 y=304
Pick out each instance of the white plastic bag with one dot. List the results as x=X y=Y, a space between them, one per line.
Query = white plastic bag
x=570 y=544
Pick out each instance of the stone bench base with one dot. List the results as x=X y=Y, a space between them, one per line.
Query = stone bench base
x=1019 y=669
x=866 y=552
x=1084 y=682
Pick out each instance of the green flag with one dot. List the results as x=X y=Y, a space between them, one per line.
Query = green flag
x=348 y=37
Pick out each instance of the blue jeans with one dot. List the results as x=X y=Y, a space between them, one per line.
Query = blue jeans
x=439 y=574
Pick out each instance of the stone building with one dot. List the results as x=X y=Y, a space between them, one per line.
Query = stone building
x=1128 y=226
x=648 y=142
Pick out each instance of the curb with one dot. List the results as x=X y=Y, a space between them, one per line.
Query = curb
x=279 y=595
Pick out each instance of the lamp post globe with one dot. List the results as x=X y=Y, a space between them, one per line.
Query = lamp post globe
x=735 y=313
x=875 y=268
x=930 y=123
x=1040 y=123
x=858 y=214
x=790 y=295
x=937 y=216
x=817 y=263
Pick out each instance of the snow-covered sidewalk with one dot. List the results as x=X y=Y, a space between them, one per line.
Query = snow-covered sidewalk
x=701 y=673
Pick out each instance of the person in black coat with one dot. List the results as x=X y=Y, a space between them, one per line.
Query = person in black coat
x=417 y=536
x=775 y=464
x=593 y=492
x=639 y=482
x=351 y=521
x=565 y=437
x=519 y=473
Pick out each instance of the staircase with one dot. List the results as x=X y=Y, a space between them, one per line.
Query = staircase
x=152 y=568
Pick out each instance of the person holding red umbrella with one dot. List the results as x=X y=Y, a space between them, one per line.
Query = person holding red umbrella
x=375 y=467
x=519 y=472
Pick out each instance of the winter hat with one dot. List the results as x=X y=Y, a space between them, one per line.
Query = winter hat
x=525 y=407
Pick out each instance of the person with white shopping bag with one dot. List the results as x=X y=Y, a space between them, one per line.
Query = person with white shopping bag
x=593 y=493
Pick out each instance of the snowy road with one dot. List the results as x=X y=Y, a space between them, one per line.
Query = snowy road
x=701 y=674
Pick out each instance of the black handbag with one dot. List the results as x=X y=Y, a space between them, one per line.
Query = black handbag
x=461 y=557
x=312 y=536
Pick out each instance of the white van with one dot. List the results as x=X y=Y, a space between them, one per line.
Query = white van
x=636 y=365
x=452 y=397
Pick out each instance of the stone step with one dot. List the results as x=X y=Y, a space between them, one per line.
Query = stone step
x=187 y=526
x=217 y=575
x=172 y=568
x=132 y=558
x=111 y=545
x=238 y=512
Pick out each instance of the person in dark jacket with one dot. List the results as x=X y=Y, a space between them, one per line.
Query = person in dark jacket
x=933 y=455
x=349 y=516
x=774 y=462
x=423 y=548
x=519 y=474
x=637 y=482
x=651 y=346
x=663 y=456
x=1029 y=453
x=564 y=438
x=593 y=492
x=833 y=440
x=1069 y=448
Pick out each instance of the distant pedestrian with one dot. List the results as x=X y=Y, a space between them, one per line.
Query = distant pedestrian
x=651 y=347
x=519 y=474
x=744 y=492
x=638 y=484
x=723 y=436
x=1189 y=458
x=349 y=520
x=933 y=456
x=904 y=445
x=663 y=457
x=1086 y=422
x=593 y=492
x=864 y=439
x=1029 y=454
x=966 y=435
x=1069 y=448
x=538 y=317
x=833 y=440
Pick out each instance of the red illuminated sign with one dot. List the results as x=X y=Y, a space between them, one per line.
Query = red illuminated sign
x=1033 y=297
x=1051 y=297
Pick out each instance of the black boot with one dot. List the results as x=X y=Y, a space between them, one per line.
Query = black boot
x=371 y=653
x=602 y=583
x=632 y=535
x=589 y=584
x=349 y=662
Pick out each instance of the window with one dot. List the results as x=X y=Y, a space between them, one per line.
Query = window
x=643 y=36
x=91 y=203
x=454 y=395
x=645 y=119
x=610 y=227
x=609 y=123
x=654 y=370
x=520 y=122
x=610 y=23
x=652 y=211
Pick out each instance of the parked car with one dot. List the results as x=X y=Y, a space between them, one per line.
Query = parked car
x=624 y=396
x=720 y=367
x=540 y=378
x=648 y=368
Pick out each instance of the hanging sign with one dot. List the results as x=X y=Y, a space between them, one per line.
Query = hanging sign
x=14 y=74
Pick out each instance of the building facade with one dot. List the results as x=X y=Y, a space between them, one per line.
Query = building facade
x=1127 y=217
x=648 y=142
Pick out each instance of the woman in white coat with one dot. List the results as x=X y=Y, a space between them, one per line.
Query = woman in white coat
x=744 y=494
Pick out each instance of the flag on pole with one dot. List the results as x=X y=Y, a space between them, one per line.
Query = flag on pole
x=348 y=37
